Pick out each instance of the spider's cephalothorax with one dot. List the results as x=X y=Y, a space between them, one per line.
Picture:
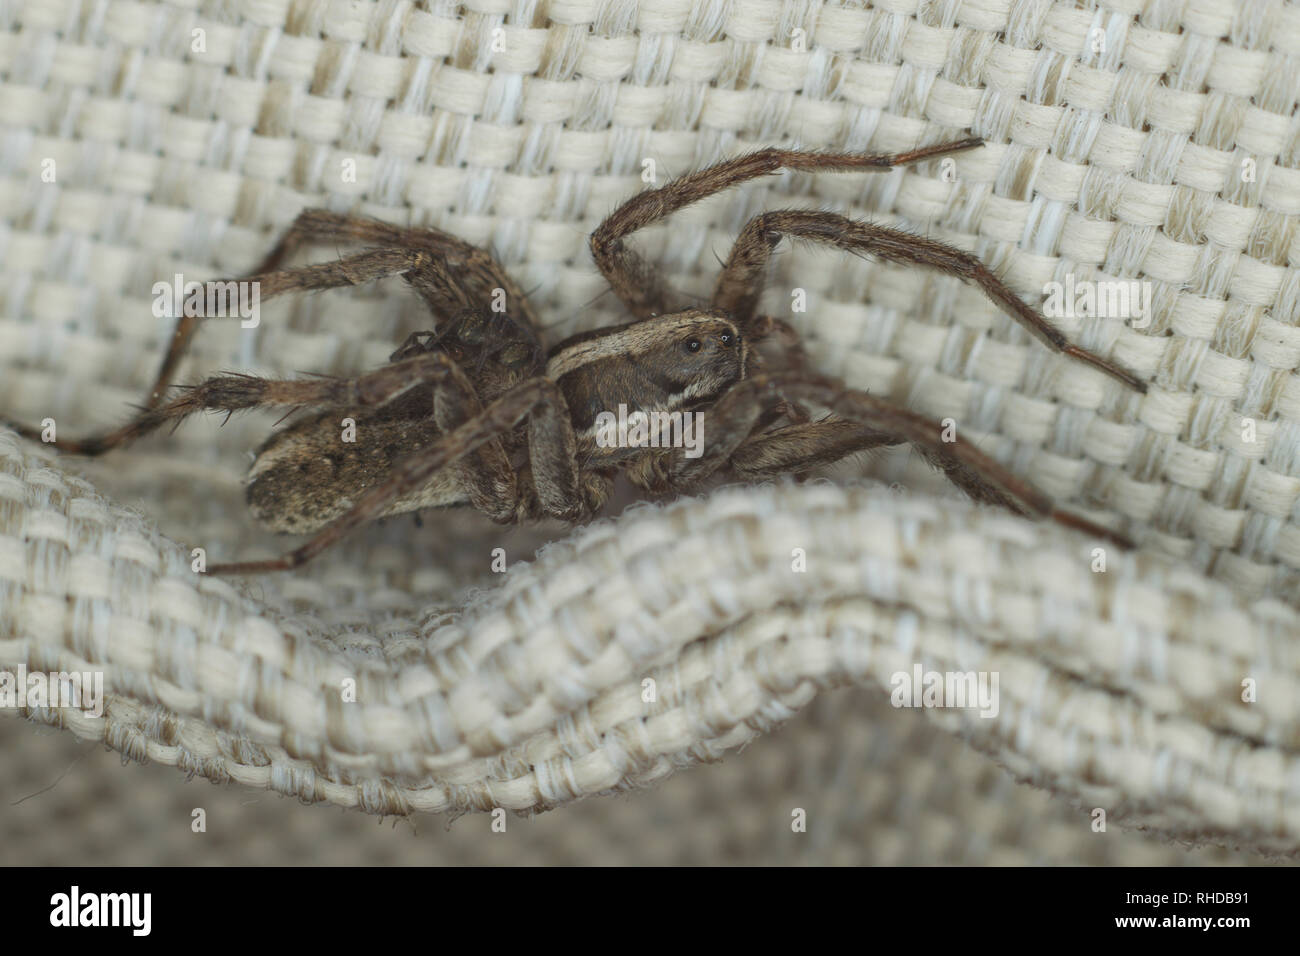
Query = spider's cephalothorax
x=478 y=413
x=667 y=364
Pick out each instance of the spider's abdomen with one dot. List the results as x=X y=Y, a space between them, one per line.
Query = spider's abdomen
x=309 y=474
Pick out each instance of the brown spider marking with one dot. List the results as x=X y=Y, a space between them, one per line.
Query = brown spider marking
x=480 y=413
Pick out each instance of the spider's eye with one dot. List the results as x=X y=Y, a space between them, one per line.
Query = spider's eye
x=725 y=339
x=692 y=345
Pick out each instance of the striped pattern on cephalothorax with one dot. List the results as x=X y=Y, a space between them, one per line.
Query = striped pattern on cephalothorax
x=658 y=368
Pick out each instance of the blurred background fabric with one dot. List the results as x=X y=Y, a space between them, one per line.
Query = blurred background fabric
x=1155 y=142
x=876 y=790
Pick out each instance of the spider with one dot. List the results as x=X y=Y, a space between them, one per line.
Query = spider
x=477 y=412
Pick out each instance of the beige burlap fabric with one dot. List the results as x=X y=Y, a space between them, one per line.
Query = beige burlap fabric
x=1155 y=143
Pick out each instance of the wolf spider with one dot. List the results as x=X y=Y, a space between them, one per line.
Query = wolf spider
x=477 y=412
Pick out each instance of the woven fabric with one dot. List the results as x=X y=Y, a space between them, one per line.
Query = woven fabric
x=1159 y=144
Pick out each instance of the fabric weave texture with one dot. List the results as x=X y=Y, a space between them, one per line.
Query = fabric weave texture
x=1151 y=142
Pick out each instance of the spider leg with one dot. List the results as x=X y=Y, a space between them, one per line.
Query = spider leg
x=740 y=283
x=802 y=446
x=747 y=408
x=484 y=473
x=734 y=433
x=460 y=276
x=799 y=447
x=976 y=473
x=631 y=277
x=556 y=478
x=363 y=267
x=725 y=426
x=235 y=392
